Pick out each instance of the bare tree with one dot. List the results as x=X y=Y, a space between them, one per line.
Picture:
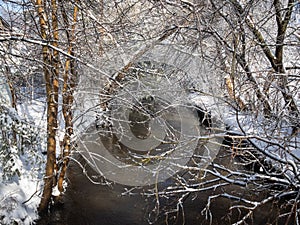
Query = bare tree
x=238 y=40
x=159 y=85
x=49 y=30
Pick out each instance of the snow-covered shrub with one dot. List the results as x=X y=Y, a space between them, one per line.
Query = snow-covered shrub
x=20 y=168
x=18 y=144
x=13 y=206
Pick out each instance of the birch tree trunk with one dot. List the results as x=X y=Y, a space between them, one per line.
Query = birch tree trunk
x=69 y=78
x=52 y=107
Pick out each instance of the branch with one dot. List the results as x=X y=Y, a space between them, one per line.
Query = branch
x=281 y=30
x=293 y=68
x=47 y=44
x=111 y=86
x=257 y=34
x=270 y=155
x=241 y=59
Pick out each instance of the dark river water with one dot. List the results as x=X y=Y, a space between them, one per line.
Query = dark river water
x=89 y=202
x=86 y=203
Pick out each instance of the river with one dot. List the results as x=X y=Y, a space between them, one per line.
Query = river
x=179 y=199
x=86 y=203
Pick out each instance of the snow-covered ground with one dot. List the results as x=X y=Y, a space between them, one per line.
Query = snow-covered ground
x=19 y=200
x=20 y=196
x=20 y=193
x=273 y=137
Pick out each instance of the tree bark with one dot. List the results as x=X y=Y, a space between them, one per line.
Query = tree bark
x=70 y=76
x=52 y=108
x=229 y=81
x=276 y=60
x=241 y=59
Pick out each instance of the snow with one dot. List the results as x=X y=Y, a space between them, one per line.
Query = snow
x=5 y=96
x=16 y=204
x=20 y=196
x=55 y=191
x=20 y=192
x=273 y=136
x=34 y=110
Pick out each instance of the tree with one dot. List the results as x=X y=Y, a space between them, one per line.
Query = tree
x=237 y=40
x=115 y=67
x=55 y=173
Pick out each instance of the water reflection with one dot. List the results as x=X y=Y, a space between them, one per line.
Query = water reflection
x=88 y=203
x=90 y=199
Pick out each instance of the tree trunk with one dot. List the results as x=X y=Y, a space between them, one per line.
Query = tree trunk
x=276 y=60
x=68 y=89
x=52 y=109
x=229 y=81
